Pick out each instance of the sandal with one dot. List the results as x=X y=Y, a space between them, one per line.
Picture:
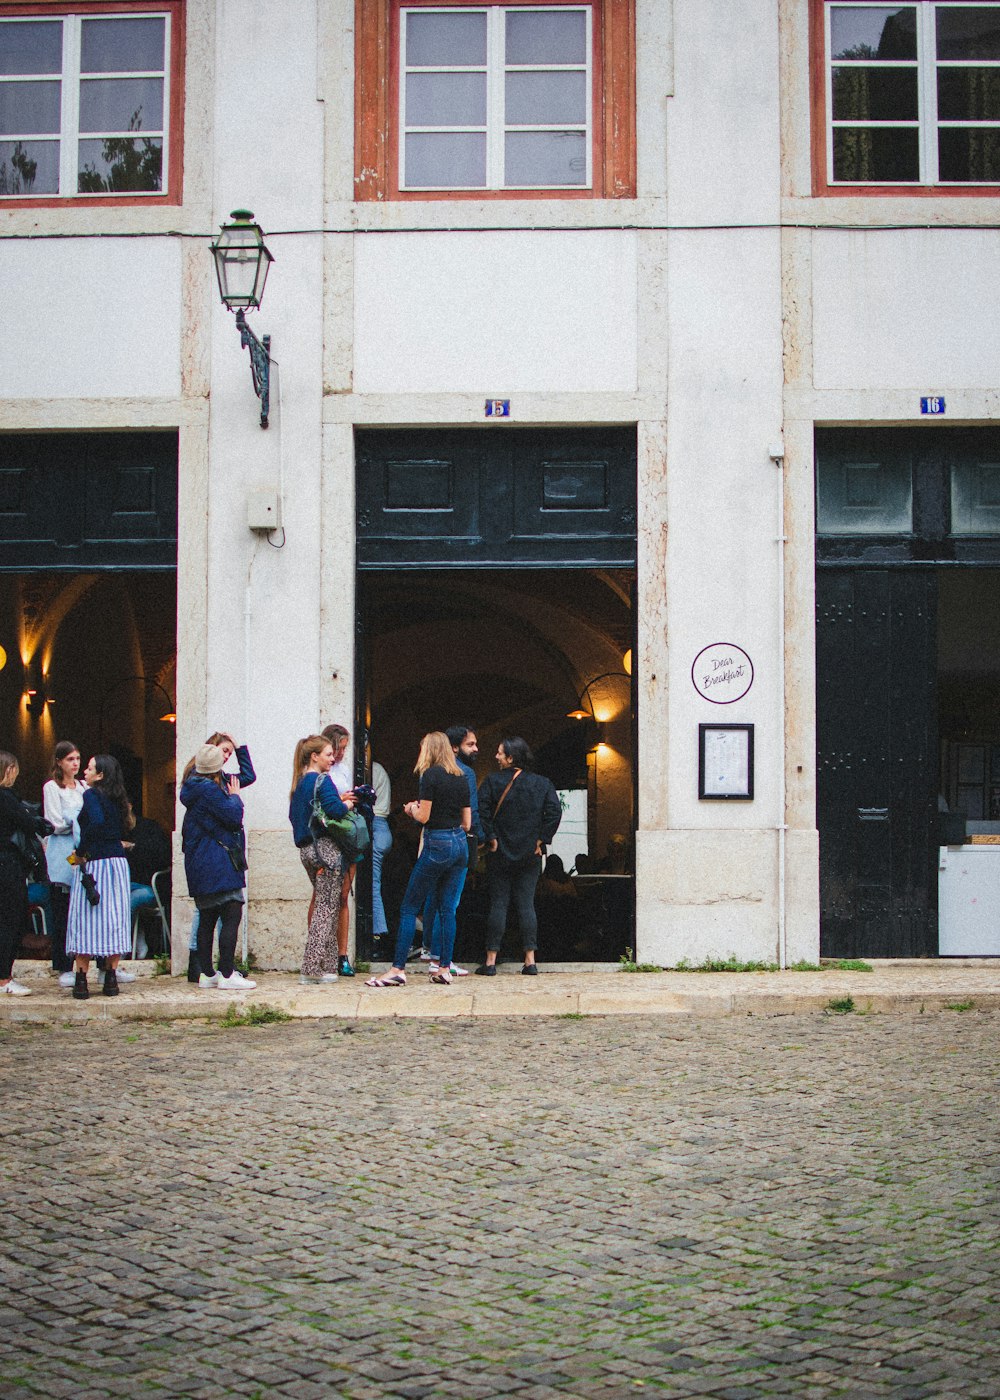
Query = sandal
x=442 y=977
x=390 y=979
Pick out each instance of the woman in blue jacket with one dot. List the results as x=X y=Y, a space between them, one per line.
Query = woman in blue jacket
x=230 y=748
x=214 y=863
x=321 y=856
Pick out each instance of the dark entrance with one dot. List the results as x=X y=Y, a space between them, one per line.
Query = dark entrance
x=905 y=519
x=88 y=611
x=496 y=574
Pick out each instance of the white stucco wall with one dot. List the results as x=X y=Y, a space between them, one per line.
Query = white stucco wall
x=495 y=312
x=914 y=308
x=90 y=318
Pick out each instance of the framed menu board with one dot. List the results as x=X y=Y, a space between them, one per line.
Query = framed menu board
x=725 y=762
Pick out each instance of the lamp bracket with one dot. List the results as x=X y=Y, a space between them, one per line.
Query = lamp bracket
x=260 y=364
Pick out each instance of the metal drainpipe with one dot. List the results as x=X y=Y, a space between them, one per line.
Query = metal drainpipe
x=777 y=455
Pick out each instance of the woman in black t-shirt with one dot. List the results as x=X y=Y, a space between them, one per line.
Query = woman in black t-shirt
x=442 y=809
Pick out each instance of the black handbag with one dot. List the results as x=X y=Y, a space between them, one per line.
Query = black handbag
x=235 y=854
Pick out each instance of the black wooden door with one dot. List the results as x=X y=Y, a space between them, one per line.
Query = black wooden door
x=475 y=498
x=877 y=754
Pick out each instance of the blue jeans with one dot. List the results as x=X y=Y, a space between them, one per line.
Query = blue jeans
x=432 y=911
x=441 y=866
x=381 y=841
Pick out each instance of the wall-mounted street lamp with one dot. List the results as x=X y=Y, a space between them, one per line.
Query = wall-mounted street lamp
x=169 y=715
x=241 y=264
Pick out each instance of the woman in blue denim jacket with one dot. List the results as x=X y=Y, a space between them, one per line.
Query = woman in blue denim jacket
x=442 y=809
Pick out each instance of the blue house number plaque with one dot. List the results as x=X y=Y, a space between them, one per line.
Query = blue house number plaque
x=934 y=405
x=498 y=408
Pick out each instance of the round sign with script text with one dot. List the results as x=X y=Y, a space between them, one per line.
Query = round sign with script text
x=722 y=673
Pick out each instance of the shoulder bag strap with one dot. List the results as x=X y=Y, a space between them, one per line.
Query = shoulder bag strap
x=507 y=789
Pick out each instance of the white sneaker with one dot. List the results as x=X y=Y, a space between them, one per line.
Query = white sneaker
x=204 y=981
x=236 y=983
x=125 y=976
x=329 y=977
x=309 y=981
x=15 y=989
x=67 y=979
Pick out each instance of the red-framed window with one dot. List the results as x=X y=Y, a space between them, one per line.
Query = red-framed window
x=906 y=97
x=494 y=100
x=91 y=102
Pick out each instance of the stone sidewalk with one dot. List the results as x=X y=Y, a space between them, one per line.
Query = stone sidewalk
x=891 y=986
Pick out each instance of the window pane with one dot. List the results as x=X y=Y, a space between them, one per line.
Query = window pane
x=875 y=94
x=27 y=108
x=863 y=498
x=121 y=104
x=446 y=99
x=968 y=31
x=29 y=167
x=445 y=41
x=968 y=94
x=543 y=99
x=118 y=165
x=31 y=47
x=547 y=36
x=969 y=154
x=121 y=45
x=545 y=158
x=873 y=31
x=446 y=160
x=876 y=155
x=975 y=498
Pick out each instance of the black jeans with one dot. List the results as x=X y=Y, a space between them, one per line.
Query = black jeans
x=229 y=915
x=518 y=880
x=59 y=904
x=13 y=910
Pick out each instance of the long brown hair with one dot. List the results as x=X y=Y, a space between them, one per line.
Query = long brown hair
x=7 y=762
x=304 y=750
x=435 y=748
x=217 y=738
x=62 y=750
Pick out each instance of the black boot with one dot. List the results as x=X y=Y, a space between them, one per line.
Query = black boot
x=111 y=988
x=194 y=967
x=80 y=989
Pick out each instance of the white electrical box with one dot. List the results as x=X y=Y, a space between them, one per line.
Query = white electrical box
x=264 y=510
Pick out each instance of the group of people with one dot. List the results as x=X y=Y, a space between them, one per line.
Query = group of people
x=515 y=812
x=86 y=824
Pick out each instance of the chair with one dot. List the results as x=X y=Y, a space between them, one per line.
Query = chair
x=146 y=899
x=39 y=908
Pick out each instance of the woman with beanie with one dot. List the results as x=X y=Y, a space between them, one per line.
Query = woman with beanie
x=214 y=863
x=230 y=749
x=100 y=906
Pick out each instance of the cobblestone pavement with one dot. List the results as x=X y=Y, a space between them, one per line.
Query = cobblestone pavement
x=746 y=1207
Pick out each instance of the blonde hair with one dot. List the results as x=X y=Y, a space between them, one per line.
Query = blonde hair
x=435 y=748
x=304 y=750
x=7 y=762
x=217 y=738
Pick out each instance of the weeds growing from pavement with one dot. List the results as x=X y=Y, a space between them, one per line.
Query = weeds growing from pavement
x=161 y=965
x=841 y=1006
x=959 y=1005
x=626 y=963
x=258 y=1014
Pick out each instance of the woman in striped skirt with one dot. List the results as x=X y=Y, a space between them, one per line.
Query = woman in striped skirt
x=100 y=918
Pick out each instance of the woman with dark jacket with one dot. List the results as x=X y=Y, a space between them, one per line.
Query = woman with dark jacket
x=100 y=909
x=214 y=863
x=14 y=816
x=230 y=749
x=520 y=813
x=322 y=960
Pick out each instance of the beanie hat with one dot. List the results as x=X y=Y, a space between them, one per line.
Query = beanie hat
x=209 y=759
